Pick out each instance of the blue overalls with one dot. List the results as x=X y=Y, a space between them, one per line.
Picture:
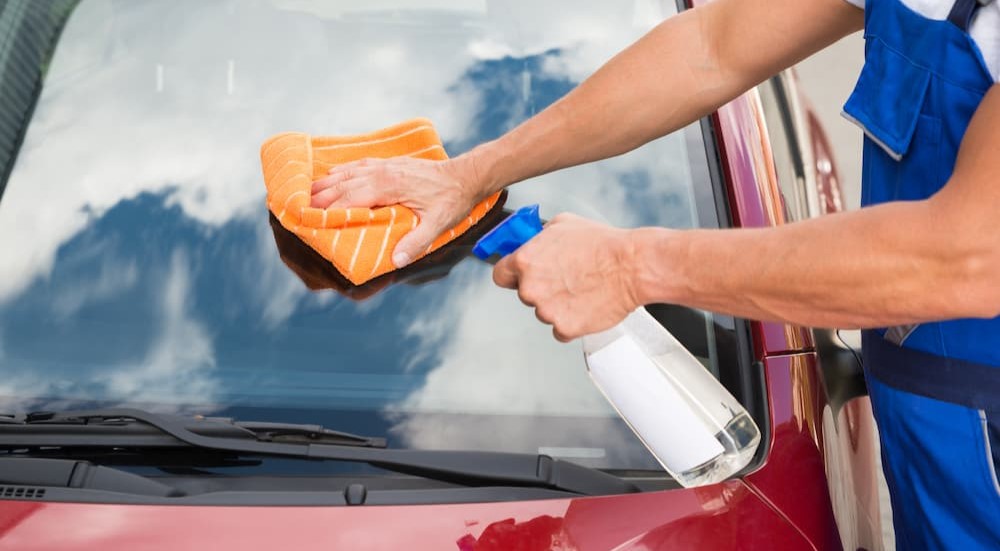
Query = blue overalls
x=935 y=387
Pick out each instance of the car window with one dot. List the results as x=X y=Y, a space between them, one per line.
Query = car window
x=139 y=265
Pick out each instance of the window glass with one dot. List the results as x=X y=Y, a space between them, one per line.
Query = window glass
x=139 y=266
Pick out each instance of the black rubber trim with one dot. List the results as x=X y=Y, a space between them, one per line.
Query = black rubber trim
x=29 y=31
x=34 y=472
x=285 y=498
x=785 y=111
x=471 y=468
x=747 y=382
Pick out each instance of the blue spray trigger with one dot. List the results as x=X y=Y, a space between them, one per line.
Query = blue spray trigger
x=510 y=234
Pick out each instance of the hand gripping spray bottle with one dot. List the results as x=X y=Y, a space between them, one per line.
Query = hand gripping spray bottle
x=690 y=423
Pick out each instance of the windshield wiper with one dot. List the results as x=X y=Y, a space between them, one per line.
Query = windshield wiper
x=119 y=422
x=132 y=428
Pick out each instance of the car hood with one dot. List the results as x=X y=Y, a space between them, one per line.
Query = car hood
x=709 y=517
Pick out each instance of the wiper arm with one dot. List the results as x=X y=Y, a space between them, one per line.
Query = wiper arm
x=112 y=421
x=460 y=467
x=289 y=432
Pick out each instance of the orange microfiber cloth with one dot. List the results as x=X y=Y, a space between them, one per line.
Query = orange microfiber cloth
x=358 y=241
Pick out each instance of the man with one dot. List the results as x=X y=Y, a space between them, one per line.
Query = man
x=926 y=249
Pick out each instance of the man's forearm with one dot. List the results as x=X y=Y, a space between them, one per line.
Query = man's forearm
x=888 y=265
x=682 y=70
x=897 y=263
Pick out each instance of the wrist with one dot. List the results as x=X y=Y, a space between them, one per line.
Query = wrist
x=656 y=265
x=477 y=169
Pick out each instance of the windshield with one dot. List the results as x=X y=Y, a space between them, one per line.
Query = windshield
x=139 y=266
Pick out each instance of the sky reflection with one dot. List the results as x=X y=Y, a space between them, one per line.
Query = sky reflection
x=138 y=265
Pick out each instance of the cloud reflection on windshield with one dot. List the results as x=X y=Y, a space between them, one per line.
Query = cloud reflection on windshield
x=107 y=91
x=179 y=363
x=114 y=276
x=150 y=99
x=175 y=372
x=145 y=107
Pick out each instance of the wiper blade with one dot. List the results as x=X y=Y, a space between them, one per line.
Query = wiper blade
x=289 y=432
x=111 y=421
x=470 y=468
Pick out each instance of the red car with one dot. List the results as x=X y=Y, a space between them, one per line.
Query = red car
x=180 y=373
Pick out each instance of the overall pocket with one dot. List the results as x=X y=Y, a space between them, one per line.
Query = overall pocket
x=888 y=97
x=902 y=146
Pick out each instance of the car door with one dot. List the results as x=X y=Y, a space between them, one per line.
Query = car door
x=809 y=187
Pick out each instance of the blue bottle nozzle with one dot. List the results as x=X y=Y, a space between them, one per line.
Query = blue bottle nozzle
x=510 y=234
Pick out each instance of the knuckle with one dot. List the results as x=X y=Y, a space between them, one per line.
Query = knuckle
x=534 y=292
x=571 y=329
x=527 y=294
x=393 y=173
x=521 y=259
x=502 y=275
x=499 y=277
x=559 y=322
x=568 y=329
x=544 y=315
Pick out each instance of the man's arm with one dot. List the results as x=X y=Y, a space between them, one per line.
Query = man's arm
x=680 y=71
x=902 y=262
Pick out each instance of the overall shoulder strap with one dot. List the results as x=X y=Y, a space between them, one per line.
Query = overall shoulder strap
x=963 y=11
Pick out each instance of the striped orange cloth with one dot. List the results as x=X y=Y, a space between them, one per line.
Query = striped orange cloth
x=358 y=241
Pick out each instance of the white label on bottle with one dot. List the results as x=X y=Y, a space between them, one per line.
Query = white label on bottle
x=651 y=404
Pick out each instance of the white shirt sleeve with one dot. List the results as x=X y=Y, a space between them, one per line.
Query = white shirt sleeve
x=985 y=27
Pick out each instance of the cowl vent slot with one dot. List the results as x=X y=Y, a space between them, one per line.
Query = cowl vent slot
x=21 y=492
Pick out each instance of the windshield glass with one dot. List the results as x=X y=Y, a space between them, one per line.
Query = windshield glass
x=139 y=265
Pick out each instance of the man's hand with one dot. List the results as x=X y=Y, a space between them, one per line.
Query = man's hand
x=577 y=274
x=441 y=193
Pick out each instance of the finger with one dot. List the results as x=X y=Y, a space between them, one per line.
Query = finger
x=542 y=317
x=359 y=192
x=560 y=336
x=323 y=199
x=505 y=273
x=415 y=243
x=351 y=165
x=327 y=182
x=323 y=184
x=562 y=218
x=526 y=298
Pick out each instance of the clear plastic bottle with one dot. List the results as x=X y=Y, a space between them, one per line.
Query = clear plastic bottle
x=690 y=423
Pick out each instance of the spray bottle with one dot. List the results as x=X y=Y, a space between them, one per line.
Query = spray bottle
x=690 y=423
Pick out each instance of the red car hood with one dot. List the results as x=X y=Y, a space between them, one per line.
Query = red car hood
x=726 y=515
